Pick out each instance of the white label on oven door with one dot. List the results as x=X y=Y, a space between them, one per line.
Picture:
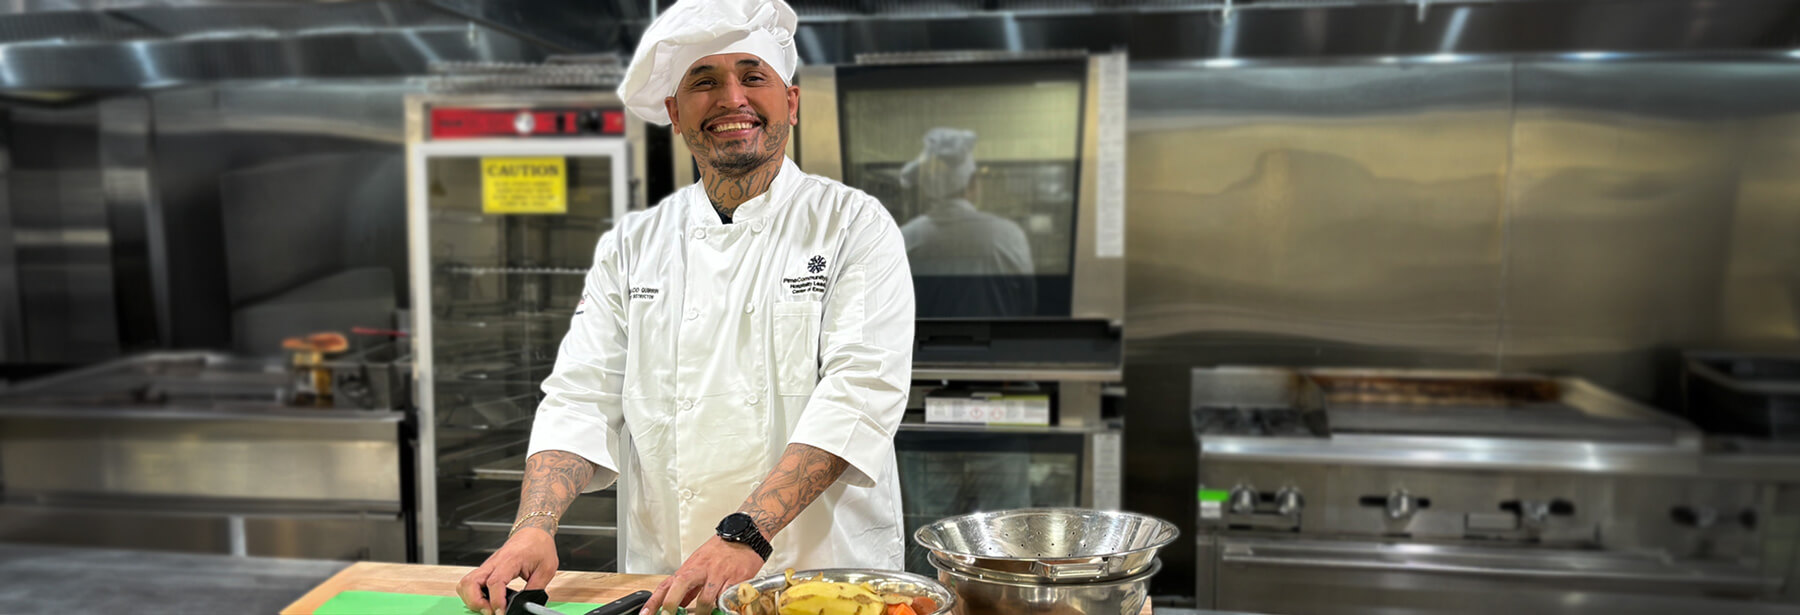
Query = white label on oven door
x=1109 y=213
x=1005 y=410
x=1108 y=477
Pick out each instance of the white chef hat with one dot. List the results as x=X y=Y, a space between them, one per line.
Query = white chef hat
x=694 y=29
x=944 y=167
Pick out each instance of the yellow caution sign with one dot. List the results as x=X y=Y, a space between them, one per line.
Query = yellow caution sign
x=524 y=185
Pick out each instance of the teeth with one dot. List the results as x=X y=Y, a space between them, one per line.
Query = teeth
x=730 y=126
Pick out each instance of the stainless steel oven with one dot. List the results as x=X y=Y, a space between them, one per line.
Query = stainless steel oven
x=1383 y=491
x=1004 y=173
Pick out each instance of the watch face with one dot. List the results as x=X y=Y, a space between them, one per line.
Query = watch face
x=735 y=525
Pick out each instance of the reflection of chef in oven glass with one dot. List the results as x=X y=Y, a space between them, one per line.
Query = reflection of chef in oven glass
x=965 y=262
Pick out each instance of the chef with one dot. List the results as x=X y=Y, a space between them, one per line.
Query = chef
x=742 y=350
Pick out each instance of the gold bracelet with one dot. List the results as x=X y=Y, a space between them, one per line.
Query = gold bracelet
x=542 y=513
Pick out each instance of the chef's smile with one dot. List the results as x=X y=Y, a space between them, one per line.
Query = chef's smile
x=734 y=127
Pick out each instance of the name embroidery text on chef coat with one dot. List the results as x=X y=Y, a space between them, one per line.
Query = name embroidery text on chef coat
x=644 y=292
x=805 y=284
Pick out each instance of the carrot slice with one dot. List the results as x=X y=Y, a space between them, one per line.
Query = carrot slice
x=923 y=605
x=899 y=609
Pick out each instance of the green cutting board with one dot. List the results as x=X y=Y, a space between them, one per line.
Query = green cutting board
x=386 y=603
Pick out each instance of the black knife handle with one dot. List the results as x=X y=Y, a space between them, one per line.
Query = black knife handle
x=629 y=604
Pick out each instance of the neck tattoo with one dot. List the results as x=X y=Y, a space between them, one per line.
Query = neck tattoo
x=728 y=192
x=732 y=178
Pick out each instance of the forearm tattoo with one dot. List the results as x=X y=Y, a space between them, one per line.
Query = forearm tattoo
x=552 y=480
x=802 y=473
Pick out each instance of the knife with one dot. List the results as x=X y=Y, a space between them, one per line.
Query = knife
x=629 y=604
x=521 y=602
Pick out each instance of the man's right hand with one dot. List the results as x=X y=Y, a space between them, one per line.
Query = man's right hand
x=530 y=554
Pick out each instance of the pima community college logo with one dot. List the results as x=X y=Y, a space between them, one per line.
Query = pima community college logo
x=814 y=283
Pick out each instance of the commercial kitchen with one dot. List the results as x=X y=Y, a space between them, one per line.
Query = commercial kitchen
x=1224 y=306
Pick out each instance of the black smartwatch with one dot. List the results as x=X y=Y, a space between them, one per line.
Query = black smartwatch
x=741 y=529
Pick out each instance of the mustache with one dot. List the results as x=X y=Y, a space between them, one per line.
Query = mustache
x=760 y=118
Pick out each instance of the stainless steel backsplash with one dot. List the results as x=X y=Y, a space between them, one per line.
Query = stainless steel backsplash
x=1525 y=214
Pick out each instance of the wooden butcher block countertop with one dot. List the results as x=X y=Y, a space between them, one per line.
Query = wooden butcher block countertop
x=568 y=586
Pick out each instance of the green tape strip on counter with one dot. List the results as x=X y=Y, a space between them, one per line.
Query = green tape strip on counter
x=1214 y=495
x=385 y=603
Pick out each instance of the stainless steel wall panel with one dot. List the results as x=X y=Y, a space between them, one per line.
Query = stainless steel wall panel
x=820 y=147
x=1625 y=194
x=1376 y=228
x=1761 y=288
x=12 y=322
x=140 y=275
x=334 y=150
x=337 y=211
x=61 y=236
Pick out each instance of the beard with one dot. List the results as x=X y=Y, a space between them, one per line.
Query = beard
x=735 y=159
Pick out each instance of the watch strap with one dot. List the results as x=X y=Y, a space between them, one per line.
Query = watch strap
x=752 y=538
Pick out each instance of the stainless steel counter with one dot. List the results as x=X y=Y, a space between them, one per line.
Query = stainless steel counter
x=194 y=451
x=76 y=580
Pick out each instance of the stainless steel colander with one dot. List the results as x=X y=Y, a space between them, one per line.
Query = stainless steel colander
x=1048 y=545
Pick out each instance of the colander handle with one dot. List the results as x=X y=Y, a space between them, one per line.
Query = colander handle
x=1069 y=571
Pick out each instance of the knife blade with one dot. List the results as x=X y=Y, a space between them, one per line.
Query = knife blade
x=539 y=609
x=628 y=604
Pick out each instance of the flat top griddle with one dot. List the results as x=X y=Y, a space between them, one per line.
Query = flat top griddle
x=1325 y=402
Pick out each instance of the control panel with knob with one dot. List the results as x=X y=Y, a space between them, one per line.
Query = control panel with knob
x=1243 y=500
x=1288 y=502
x=1401 y=505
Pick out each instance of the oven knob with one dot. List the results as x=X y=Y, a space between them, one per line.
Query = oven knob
x=1288 y=502
x=1534 y=512
x=1243 y=501
x=1401 y=505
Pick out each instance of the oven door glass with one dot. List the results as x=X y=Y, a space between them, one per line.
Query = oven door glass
x=978 y=165
x=945 y=473
x=503 y=289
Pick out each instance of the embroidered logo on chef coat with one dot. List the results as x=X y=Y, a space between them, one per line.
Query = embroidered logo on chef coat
x=814 y=283
x=644 y=293
x=579 y=305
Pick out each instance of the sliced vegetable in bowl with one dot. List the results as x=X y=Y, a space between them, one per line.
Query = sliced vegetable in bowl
x=842 y=591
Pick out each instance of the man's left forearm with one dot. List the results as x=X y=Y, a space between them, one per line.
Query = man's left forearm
x=802 y=473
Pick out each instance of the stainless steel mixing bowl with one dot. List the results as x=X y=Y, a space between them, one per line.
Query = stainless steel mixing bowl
x=987 y=596
x=886 y=581
x=1053 y=545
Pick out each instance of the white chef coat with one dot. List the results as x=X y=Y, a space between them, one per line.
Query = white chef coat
x=703 y=349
